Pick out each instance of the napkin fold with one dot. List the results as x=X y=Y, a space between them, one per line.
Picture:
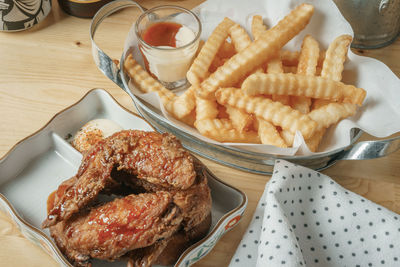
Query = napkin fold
x=304 y=218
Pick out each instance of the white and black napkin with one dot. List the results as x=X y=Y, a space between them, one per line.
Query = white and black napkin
x=304 y=218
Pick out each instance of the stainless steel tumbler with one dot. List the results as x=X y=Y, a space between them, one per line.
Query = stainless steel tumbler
x=375 y=23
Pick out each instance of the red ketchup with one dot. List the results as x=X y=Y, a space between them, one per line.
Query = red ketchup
x=161 y=34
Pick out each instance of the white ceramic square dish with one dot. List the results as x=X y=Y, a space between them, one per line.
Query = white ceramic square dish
x=35 y=167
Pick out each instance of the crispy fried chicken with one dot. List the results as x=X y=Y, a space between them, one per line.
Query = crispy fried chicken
x=136 y=194
x=158 y=159
x=112 y=229
x=167 y=251
x=195 y=202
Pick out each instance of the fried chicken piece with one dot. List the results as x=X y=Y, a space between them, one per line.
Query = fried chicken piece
x=157 y=158
x=182 y=240
x=146 y=257
x=113 y=187
x=167 y=251
x=57 y=194
x=195 y=201
x=112 y=229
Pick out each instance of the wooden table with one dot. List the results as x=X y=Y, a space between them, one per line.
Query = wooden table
x=49 y=67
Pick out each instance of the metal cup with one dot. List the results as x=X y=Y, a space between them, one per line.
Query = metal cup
x=18 y=15
x=376 y=23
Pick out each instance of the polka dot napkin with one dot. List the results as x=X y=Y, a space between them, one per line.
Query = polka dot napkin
x=304 y=218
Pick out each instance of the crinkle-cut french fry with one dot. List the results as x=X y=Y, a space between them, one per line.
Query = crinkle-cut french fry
x=301 y=103
x=222 y=130
x=222 y=114
x=199 y=68
x=145 y=82
x=291 y=58
x=288 y=137
x=284 y=99
x=268 y=134
x=179 y=107
x=308 y=61
x=226 y=50
x=275 y=66
x=257 y=52
x=332 y=68
x=302 y=85
x=257 y=27
x=331 y=113
x=182 y=107
x=255 y=123
x=335 y=57
x=274 y=112
x=189 y=119
x=318 y=72
x=257 y=70
x=216 y=63
x=240 y=38
x=206 y=108
x=322 y=54
x=309 y=55
x=314 y=141
x=319 y=103
x=201 y=44
x=184 y=104
x=242 y=121
x=333 y=64
x=289 y=69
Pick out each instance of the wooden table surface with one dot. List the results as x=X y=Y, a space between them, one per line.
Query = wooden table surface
x=49 y=67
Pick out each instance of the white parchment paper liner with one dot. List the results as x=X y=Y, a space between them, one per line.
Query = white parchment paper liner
x=380 y=114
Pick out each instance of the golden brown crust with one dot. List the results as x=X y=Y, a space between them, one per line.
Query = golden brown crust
x=182 y=240
x=162 y=206
x=157 y=158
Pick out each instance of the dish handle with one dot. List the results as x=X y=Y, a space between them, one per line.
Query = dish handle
x=370 y=149
x=101 y=59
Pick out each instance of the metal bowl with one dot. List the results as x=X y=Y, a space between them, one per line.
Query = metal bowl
x=241 y=159
x=230 y=156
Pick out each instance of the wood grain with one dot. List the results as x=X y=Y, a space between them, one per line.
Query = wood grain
x=49 y=67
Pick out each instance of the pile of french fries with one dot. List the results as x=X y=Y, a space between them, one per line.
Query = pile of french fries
x=252 y=91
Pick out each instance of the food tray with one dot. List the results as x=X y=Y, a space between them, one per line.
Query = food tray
x=234 y=157
x=35 y=167
x=230 y=156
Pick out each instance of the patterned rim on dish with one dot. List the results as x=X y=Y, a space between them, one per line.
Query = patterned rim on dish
x=188 y=257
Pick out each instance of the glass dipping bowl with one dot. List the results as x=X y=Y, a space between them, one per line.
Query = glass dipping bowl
x=168 y=65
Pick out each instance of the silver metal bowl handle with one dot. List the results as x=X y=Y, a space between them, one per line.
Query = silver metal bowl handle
x=102 y=60
x=370 y=149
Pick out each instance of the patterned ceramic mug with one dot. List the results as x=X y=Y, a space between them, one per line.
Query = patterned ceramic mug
x=17 y=15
